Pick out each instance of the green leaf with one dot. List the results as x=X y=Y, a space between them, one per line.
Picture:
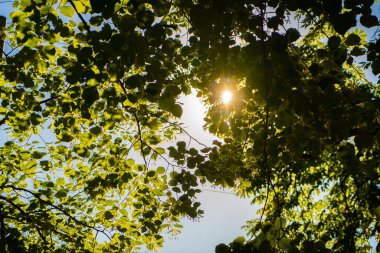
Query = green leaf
x=154 y=139
x=96 y=130
x=160 y=151
x=222 y=248
x=49 y=184
x=176 y=110
x=130 y=162
x=344 y=21
x=356 y=51
x=292 y=34
x=60 y=181
x=334 y=42
x=67 y=11
x=61 y=194
x=25 y=3
x=285 y=243
x=32 y=42
x=151 y=173
x=160 y=170
x=376 y=67
x=90 y=95
x=239 y=239
x=45 y=165
x=108 y=215
x=369 y=21
x=158 y=192
x=80 y=7
x=353 y=39
x=377 y=212
x=65 y=137
x=134 y=81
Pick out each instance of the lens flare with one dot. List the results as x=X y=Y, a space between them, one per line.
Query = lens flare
x=226 y=96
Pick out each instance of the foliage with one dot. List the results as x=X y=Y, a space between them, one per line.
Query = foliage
x=87 y=92
x=301 y=137
x=103 y=78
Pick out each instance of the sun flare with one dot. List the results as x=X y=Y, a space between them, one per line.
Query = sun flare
x=226 y=96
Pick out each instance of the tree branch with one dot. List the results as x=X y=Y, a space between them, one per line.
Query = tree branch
x=140 y=138
x=80 y=16
x=14 y=205
x=48 y=99
x=57 y=208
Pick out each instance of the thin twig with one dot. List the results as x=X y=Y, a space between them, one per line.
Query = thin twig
x=182 y=129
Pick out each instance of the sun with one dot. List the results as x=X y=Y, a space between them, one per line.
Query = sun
x=226 y=96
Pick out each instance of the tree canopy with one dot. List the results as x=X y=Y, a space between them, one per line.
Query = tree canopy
x=89 y=95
